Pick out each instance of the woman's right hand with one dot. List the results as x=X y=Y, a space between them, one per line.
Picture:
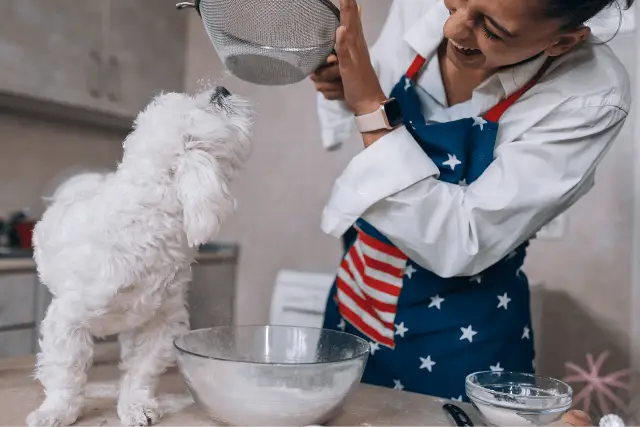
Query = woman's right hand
x=328 y=81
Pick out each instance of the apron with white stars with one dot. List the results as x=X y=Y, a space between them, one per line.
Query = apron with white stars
x=427 y=333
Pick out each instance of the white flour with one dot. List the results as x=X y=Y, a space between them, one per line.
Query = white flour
x=501 y=417
x=508 y=417
x=273 y=396
x=277 y=406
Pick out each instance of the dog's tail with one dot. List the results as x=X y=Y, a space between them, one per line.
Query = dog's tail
x=78 y=187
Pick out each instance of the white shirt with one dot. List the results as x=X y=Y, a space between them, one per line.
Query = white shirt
x=548 y=146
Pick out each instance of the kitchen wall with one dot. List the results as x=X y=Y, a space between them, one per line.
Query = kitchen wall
x=587 y=273
x=34 y=153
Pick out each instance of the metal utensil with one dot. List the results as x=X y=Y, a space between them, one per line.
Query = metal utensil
x=458 y=416
x=270 y=42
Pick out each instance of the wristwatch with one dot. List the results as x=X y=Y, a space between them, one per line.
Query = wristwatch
x=388 y=116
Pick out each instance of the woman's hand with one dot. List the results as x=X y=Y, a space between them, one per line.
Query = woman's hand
x=328 y=80
x=361 y=88
x=574 y=418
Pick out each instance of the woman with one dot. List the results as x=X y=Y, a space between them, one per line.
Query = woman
x=444 y=202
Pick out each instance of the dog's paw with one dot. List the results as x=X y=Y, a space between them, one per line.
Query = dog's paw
x=50 y=418
x=139 y=414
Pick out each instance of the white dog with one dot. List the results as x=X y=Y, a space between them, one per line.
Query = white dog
x=115 y=250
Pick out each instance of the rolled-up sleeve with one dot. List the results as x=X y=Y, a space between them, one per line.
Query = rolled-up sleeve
x=455 y=230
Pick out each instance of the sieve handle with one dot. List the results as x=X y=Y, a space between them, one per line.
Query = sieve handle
x=186 y=4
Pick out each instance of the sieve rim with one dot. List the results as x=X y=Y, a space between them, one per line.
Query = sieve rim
x=332 y=7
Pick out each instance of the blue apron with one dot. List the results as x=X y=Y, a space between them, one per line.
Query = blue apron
x=427 y=333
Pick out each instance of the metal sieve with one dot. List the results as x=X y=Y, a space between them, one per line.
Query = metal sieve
x=270 y=42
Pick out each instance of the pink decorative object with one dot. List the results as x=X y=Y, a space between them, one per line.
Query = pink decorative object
x=598 y=387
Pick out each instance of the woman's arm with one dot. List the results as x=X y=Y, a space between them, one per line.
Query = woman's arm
x=336 y=119
x=458 y=231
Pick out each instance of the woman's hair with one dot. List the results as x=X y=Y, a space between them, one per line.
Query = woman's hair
x=577 y=12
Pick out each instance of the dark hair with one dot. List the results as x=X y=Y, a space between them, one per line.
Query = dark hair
x=577 y=12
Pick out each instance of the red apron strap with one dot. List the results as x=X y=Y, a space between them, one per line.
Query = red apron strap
x=494 y=114
x=415 y=67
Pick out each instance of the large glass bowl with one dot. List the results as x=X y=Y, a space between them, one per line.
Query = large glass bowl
x=515 y=399
x=271 y=375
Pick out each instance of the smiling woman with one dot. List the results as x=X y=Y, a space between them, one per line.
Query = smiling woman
x=482 y=121
x=499 y=33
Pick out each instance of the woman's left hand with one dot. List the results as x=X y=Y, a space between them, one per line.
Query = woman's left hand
x=362 y=91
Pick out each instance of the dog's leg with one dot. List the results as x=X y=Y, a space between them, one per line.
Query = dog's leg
x=66 y=352
x=152 y=353
x=126 y=345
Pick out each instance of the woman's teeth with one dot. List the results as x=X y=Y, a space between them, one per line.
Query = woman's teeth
x=465 y=50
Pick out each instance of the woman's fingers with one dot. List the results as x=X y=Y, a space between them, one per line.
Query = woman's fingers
x=577 y=419
x=327 y=73
x=350 y=40
x=348 y=11
x=333 y=96
x=328 y=86
x=343 y=47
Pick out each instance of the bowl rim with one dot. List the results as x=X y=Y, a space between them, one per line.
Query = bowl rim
x=471 y=385
x=359 y=355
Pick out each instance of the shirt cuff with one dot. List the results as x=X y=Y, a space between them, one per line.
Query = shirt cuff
x=334 y=136
x=389 y=165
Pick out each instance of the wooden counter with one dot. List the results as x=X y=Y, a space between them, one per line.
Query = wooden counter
x=370 y=406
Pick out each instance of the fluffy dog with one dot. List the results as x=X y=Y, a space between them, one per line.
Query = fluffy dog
x=115 y=249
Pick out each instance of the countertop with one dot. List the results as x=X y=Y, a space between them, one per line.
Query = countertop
x=22 y=260
x=369 y=406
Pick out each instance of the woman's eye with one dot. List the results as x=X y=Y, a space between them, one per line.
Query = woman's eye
x=488 y=34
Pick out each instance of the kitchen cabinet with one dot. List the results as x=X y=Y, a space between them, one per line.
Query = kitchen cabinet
x=18 y=311
x=144 y=52
x=49 y=50
x=107 y=56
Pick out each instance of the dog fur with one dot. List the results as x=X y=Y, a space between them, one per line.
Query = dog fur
x=115 y=250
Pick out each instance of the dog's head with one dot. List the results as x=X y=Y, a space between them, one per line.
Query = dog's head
x=199 y=143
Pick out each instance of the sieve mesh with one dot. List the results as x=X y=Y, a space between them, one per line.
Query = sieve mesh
x=271 y=42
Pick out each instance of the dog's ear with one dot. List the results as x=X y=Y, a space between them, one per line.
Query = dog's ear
x=204 y=195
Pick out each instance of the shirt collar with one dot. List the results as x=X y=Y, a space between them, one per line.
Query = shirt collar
x=425 y=36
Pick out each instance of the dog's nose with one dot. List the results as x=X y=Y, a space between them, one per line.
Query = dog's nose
x=219 y=94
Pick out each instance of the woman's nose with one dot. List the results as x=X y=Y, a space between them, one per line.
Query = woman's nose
x=459 y=26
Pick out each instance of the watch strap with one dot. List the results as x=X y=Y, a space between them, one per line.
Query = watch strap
x=372 y=121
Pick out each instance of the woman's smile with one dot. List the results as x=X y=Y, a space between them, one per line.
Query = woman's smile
x=464 y=56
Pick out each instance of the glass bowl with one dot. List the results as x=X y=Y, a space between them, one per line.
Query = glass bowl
x=271 y=375
x=515 y=399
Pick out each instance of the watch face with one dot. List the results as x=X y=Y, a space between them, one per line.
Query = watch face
x=393 y=112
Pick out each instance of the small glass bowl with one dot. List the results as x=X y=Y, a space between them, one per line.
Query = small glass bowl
x=515 y=399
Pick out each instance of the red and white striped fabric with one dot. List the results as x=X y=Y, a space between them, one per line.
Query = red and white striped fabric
x=369 y=283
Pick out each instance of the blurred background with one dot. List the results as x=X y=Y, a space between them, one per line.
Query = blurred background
x=73 y=75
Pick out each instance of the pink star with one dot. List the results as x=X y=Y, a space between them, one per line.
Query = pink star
x=600 y=387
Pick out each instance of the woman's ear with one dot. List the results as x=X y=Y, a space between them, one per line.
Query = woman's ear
x=204 y=195
x=568 y=41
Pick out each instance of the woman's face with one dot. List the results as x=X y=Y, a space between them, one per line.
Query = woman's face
x=490 y=34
